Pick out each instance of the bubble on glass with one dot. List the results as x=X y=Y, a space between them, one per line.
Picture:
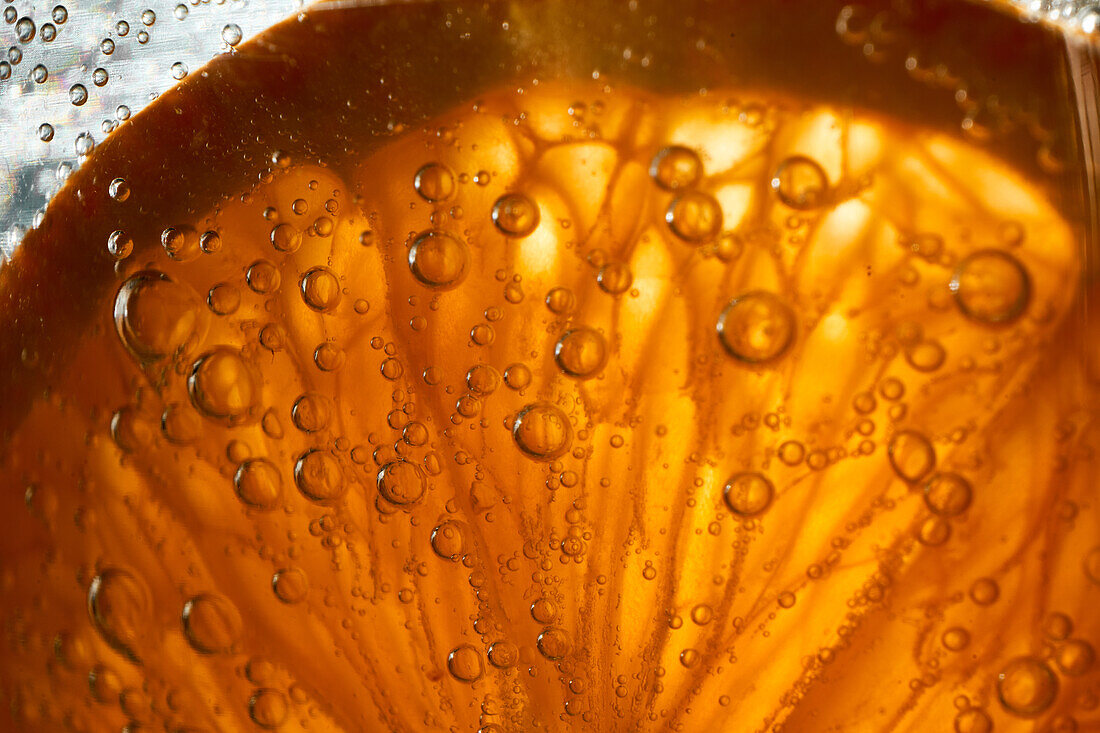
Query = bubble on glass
x=119 y=244
x=258 y=484
x=319 y=477
x=800 y=183
x=515 y=215
x=757 y=327
x=694 y=217
x=676 y=167
x=581 y=352
x=39 y=74
x=231 y=34
x=179 y=70
x=25 y=30
x=211 y=624
x=78 y=95
x=542 y=431
x=438 y=260
x=434 y=182
x=1026 y=686
x=991 y=287
x=748 y=493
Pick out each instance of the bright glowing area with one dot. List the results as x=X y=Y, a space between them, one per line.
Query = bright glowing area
x=735 y=200
x=834 y=327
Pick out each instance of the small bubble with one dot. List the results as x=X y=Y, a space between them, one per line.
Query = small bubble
x=464 y=663
x=448 y=541
x=515 y=215
x=991 y=287
x=757 y=327
x=320 y=289
x=210 y=242
x=955 y=639
x=179 y=70
x=947 y=494
x=45 y=132
x=122 y=28
x=984 y=591
x=119 y=189
x=119 y=244
x=1026 y=687
x=231 y=34
x=434 y=182
x=211 y=624
x=542 y=431
x=48 y=32
x=319 y=477
x=78 y=94
x=676 y=167
x=503 y=654
x=1057 y=626
x=561 y=300
x=290 y=585
x=142 y=37
x=258 y=483
x=792 y=452
x=482 y=379
x=615 y=278
x=25 y=30
x=39 y=74
x=401 y=482
x=286 y=238
x=224 y=299
x=748 y=494
x=60 y=14
x=911 y=455
x=581 y=352
x=119 y=606
x=553 y=644
x=262 y=277
x=311 y=413
x=5 y=73
x=122 y=112
x=1074 y=657
x=157 y=317
x=438 y=260
x=10 y=14
x=694 y=217
x=180 y=11
x=973 y=720
x=223 y=386
x=15 y=55
x=268 y=708
x=84 y=144
x=800 y=183
x=148 y=17
x=925 y=356
x=518 y=376
x=934 y=531
x=181 y=243
x=328 y=357
x=1092 y=565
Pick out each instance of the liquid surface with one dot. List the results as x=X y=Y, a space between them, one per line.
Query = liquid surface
x=577 y=407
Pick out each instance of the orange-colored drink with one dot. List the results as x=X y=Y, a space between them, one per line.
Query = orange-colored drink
x=564 y=366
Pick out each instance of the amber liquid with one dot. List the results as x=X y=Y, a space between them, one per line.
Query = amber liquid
x=637 y=394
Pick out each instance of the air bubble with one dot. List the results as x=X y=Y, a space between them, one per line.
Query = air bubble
x=268 y=708
x=181 y=243
x=581 y=352
x=211 y=624
x=401 y=482
x=258 y=483
x=319 y=477
x=695 y=217
x=39 y=74
x=448 y=541
x=1026 y=687
x=800 y=183
x=231 y=34
x=911 y=455
x=320 y=289
x=515 y=215
x=290 y=585
x=157 y=317
x=119 y=244
x=119 y=189
x=757 y=327
x=748 y=494
x=224 y=387
x=542 y=431
x=438 y=260
x=45 y=130
x=615 y=278
x=119 y=605
x=311 y=413
x=179 y=70
x=676 y=167
x=464 y=663
x=434 y=182
x=25 y=30
x=78 y=94
x=224 y=299
x=553 y=644
x=991 y=287
x=262 y=277
x=947 y=494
